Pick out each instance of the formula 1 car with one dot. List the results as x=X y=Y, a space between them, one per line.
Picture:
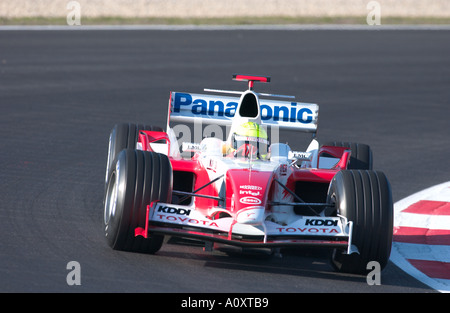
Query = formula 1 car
x=246 y=189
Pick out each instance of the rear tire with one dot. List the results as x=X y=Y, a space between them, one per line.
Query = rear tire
x=124 y=136
x=136 y=179
x=361 y=157
x=363 y=197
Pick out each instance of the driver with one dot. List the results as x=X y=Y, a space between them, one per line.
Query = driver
x=249 y=140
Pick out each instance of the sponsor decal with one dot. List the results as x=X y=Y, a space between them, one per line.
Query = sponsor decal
x=312 y=226
x=184 y=220
x=250 y=200
x=250 y=215
x=190 y=147
x=307 y=230
x=303 y=115
x=250 y=187
x=172 y=210
x=202 y=105
x=254 y=139
x=249 y=193
x=299 y=155
x=321 y=222
x=169 y=214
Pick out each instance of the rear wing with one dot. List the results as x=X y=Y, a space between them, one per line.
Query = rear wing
x=216 y=109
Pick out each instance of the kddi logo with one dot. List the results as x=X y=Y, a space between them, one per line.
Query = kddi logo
x=319 y=222
x=171 y=210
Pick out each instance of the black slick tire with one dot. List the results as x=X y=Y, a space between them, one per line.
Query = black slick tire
x=361 y=157
x=136 y=179
x=363 y=197
x=124 y=136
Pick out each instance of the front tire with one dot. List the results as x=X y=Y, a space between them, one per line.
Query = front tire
x=136 y=179
x=363 y=197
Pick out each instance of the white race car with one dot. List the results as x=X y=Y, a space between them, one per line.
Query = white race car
x=247 y=188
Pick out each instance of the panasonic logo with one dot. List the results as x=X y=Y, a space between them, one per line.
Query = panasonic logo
x=217 y=108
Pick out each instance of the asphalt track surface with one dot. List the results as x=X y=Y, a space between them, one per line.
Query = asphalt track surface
x=62 y=91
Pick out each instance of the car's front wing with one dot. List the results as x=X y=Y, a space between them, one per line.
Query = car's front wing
x=184 y=221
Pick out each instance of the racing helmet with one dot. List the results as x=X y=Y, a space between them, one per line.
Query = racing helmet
x=250 y=140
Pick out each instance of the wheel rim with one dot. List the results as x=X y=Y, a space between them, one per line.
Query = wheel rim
x=110 y=152
x=111 y=196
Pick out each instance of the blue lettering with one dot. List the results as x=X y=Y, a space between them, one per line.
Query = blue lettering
x=293 y=108
x=268 y=112
x=219 y=108
x=231 y=109
x=181 y=99
x=199 y=104
x=301 y=113
x=212 y=105
x=276 y=113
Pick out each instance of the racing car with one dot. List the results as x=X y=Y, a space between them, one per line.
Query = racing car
x=246 y=188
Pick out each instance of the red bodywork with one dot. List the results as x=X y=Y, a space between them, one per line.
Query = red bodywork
x=244 y=188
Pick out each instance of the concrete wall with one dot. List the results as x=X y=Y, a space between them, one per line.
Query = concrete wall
x=223 y=8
